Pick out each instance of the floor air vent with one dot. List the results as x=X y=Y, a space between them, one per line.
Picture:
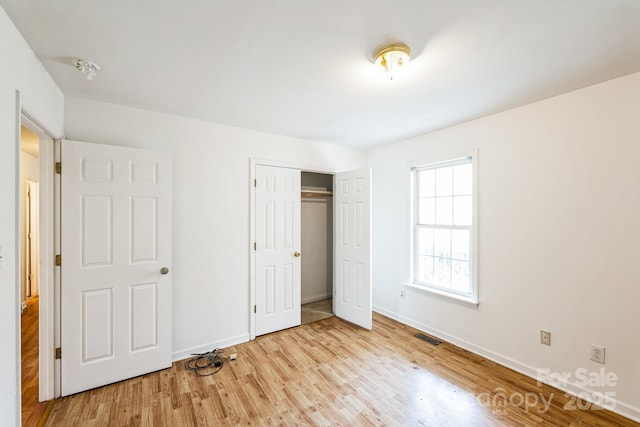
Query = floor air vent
x=428 y=339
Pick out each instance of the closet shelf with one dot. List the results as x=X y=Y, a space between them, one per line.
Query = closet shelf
x=316 y=193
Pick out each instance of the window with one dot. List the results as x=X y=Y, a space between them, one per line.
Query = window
x=445 y=228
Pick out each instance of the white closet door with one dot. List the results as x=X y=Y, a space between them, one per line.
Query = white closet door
x=116 y=252
x=352 y=251
x=277 y=260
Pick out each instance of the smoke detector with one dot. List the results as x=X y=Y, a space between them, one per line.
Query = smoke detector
x=87 y=67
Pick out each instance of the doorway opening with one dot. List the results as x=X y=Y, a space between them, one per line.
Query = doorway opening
x=317 y=247
x=276 y=194
x=29 y=208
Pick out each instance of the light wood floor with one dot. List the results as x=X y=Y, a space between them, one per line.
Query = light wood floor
x=32 y=410
x=329 y=373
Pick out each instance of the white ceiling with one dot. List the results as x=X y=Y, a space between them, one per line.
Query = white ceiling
x=304 y=68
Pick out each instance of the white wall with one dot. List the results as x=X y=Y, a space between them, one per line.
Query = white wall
x=211 y=206
x=21 y=71
x=315 y=278
x=29 y=170
x=317 y=240
x=559 y=235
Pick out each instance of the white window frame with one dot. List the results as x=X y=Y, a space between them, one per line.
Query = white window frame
x=473 y=296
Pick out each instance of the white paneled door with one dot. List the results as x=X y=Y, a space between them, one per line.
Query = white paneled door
x=116 y=260
x=277 y=260
x=352 y=247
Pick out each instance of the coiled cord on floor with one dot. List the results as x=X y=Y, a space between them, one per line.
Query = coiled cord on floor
x=205 y=364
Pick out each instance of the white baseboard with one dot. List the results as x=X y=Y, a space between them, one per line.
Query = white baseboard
x=308 y=300
x=571 y=387
x=186 y=353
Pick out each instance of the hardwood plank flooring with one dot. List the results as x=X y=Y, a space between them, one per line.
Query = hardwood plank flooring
x=331 y=373
x=32 y=410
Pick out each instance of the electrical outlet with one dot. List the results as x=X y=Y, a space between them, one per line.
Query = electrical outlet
x=596 y=353
x=545 y=337
x=402 y=293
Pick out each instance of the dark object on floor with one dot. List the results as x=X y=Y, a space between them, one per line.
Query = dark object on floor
x=205 y=364
x=428 y=339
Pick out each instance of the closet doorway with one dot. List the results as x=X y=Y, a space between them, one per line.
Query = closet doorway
x=336 y=259
x=317 y=246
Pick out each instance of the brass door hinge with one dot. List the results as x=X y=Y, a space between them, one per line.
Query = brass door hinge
x=255 y=246
x=58 y=353
x=255 y=182
x=58 y=168
x=255 y=308
x=58 y=260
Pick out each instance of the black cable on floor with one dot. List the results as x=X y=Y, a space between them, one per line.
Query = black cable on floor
x=209 y=362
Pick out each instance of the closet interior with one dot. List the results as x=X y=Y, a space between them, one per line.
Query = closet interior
x=317 y=246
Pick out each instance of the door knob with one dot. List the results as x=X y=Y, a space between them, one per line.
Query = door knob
x=164 y=270
x=296 y=254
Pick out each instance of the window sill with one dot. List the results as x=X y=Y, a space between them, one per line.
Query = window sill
x=468 y=300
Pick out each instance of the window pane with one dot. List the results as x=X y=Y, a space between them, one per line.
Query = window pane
x=425 y=269
x=460 y=277
x=425 y=241
x=462 y=179
x=427 y=211
x=462 y=210
x=442 y=272
x=442 y=243
x=444 y=210
x=460 y=240
x=444 y=181
x=444 y=228
x=427 y=183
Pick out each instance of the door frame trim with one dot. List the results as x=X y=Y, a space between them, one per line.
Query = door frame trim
x=48 y=387
x=253 y=162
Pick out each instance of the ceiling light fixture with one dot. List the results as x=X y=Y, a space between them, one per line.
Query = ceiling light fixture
x=88 y=67
x=392 y=57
